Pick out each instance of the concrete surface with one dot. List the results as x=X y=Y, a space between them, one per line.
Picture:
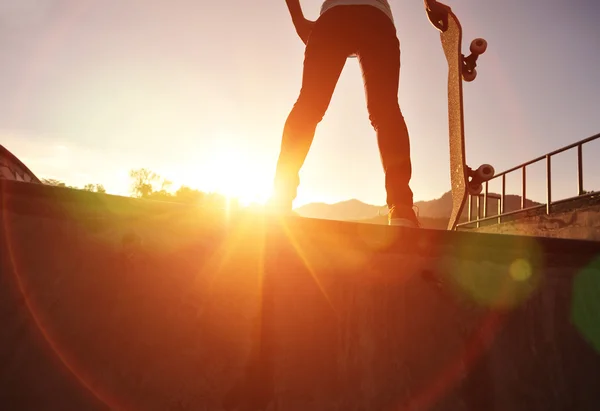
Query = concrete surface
x=574 y=219
x=115 y=303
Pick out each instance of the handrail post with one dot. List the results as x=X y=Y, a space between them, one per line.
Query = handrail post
x=580 y=169
x=548 y=184
x=523 y=188
x=485 y=201
x=499 y=205
x=478 y=210
x=502 y=198
x=470 y=211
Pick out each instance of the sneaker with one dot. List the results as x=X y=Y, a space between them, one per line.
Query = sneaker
x=403 y=218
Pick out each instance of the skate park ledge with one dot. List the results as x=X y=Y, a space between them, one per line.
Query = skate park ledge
x=111 y=302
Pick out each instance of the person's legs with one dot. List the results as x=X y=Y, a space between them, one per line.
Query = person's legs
x=325 y=57
x=379 y=57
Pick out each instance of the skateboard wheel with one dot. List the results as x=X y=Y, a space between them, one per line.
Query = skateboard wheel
x=469 y=75
x=478 y=46
x=474 y=189
x=484 y=172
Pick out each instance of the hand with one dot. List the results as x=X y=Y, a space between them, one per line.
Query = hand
x=304 y=27
x=438 y=14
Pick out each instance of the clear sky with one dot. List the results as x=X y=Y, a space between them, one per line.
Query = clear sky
x=198 y=91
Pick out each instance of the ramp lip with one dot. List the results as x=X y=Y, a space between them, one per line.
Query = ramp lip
x=50 y=201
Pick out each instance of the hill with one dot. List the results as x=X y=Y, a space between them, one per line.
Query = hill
x=350 y=210
x=432 y=214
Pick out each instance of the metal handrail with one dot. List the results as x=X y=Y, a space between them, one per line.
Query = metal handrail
x=523 y=167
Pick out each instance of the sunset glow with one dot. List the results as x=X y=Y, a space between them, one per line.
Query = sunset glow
x=119 y=86
x=233 y=173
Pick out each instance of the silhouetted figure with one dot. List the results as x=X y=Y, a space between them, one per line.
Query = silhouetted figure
x=350 y=28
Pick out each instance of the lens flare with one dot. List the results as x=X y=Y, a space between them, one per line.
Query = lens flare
x=585 y=306
x=520 y=270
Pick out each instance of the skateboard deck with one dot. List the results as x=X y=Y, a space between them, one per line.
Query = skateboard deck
x=459 y=68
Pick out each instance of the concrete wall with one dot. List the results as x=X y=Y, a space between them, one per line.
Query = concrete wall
x=110 y=303
x=572 y=220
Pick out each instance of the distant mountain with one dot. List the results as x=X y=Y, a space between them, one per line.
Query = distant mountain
x=433 y=213
x=350 y=210
x=442 y=207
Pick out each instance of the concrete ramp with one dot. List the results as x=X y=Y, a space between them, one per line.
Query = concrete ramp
x=114 y=303
x=11 y=168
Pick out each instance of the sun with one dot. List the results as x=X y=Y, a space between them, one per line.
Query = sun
x=233 y=172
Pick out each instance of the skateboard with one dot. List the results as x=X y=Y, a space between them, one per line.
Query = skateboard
x=464 y=179
x=11 y=168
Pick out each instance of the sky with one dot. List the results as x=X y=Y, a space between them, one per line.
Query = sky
x=198 y=91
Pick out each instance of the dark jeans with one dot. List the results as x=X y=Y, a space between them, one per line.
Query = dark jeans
x=338 y=33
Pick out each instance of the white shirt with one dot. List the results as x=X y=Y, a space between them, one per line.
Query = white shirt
x=382 y=5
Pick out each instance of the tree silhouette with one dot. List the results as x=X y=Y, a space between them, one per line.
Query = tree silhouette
x=189 y=195
x=95 y=188
x=142 y=184
x=54 y=182
x=148 y=185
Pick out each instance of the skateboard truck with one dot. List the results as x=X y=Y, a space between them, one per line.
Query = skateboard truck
x=439 y=20
x=478 y=46
x=479 y=176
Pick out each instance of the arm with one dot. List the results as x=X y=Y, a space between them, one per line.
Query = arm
x=295 y=10
x=302 y=25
